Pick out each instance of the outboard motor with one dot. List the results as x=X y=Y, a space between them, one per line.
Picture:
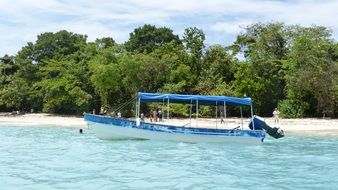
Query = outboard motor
x=260 y=125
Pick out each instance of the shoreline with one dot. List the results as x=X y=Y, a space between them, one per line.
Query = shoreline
x=304 y=126
x=44 y=119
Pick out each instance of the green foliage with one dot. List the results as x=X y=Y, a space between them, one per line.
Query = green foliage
x=105 y=42
x=16 y=94
x=179 y=110
x=193 y=39
x=179 y=80
x=217 y=72
x=292 y=108
x=265 y=47
x=293 y=67
x=147 y=38
x=7 y=66
x=246 y=84
x=105 y=73
x=219 y=63
x=61 y=87
x=311 y=70
x=51 y=45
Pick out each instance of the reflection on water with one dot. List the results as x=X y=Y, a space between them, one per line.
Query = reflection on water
x=61 y=158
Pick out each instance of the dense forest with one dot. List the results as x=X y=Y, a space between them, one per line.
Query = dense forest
x=291 y=67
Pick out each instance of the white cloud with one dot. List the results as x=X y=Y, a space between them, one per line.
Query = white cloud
x=233 y=27
x=22 y=20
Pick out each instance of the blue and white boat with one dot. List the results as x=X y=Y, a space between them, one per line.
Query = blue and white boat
x=118 y=128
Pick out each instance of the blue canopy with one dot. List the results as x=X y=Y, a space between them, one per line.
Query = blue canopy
x=193 y=99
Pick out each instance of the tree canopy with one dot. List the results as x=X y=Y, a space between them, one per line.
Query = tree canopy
x=148 y=37
x=291 y=67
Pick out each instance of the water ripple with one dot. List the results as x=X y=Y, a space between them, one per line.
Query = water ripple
x=59 y=158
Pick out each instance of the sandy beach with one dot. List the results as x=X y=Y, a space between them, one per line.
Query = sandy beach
x=42 y=119
x=307 y=126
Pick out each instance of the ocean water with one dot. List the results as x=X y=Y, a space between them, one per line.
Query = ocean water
x=61 y=158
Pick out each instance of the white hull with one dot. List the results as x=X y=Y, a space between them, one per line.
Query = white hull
x=109 y=131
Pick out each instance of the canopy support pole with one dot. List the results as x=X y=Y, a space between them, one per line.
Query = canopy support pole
x=197 y=113
x=190 y=111
x=252 y=118
x=225 y=114
x=139 y=106
x=241 y=117
x=216 y=114
x=137 y=110
x=168 y=110
x=162 y=110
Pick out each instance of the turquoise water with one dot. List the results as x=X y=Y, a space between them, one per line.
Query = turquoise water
x=61 y=158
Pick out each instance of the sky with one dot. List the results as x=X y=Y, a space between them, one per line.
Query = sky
x=221 y=20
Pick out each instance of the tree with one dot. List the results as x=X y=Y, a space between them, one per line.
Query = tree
x=193 y=39
x=147 y=38
x=35 y=67
x=311 y=71
x=15 y=89
x=7 y=65
x=62 y=87
x=179 y=80
x=217 y=72
x=105 y=42
x=54 y=46
x=105 y=74
x=16 y=94
x=265 y=47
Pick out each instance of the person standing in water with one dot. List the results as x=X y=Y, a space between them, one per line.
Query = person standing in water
x=275 y=114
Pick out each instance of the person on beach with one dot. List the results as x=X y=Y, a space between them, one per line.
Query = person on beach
x=119 y=115
x=113 y=114
x=275 y=114
x=160 y=115
x=151 y=116
x=222 y=117
x=155 y=115
x=142 y=116
x=103 y=111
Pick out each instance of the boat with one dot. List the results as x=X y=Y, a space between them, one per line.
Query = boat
x=113 y=128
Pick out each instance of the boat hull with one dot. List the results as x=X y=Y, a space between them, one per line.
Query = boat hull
x=112 y=129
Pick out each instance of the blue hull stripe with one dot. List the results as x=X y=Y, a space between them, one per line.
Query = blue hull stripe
x=172 y=129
